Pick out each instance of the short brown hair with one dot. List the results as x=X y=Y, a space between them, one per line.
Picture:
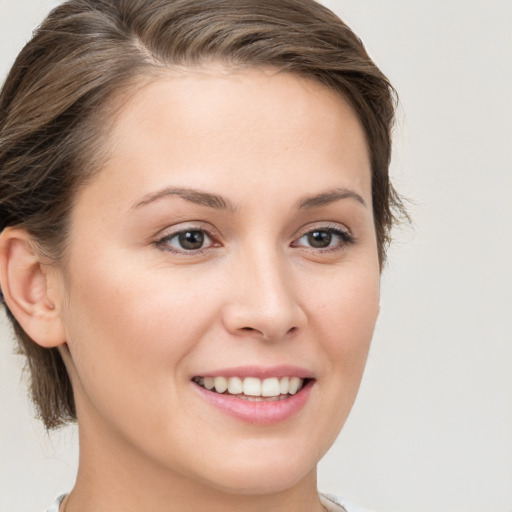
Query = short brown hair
x=57 y=95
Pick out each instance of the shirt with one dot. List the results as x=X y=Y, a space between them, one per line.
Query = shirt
x=330 y=502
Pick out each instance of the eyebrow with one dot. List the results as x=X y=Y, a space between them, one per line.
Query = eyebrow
x=189 y=194
x=329 y=197
x=221 y=203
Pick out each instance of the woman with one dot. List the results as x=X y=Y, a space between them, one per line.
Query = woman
x=195 y=207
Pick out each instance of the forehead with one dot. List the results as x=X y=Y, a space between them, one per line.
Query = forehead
x=203 y=125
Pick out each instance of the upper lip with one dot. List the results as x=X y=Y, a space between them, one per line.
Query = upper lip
x=260 y=372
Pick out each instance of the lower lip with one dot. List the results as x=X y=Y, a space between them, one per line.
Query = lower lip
x=261 y=413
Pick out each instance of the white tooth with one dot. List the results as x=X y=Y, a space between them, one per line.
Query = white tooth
x=270 y=387
x=221 y=384
x=252 y=386
x=283 y=385
x=294 y=385
x=209 y=383
x=235 y=386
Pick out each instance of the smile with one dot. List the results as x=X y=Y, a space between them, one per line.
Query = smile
x=261 y=401
x=253 y=388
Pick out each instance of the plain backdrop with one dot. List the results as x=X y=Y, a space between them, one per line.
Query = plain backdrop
x=432 y=427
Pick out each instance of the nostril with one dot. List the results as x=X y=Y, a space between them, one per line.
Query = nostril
x=263 y=334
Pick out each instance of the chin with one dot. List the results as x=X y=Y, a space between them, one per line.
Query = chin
x=264 y=472
x=260 y=481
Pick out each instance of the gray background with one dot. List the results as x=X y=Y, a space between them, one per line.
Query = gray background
x=432 y=427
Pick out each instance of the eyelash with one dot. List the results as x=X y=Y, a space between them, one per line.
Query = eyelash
x=345 y=239
x=163 y=242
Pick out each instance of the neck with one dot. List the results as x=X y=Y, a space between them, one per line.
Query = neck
x=113 y=477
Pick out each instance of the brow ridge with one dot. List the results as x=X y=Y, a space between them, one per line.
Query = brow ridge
x=189 y=194
x=220 y=203
x=328 y=197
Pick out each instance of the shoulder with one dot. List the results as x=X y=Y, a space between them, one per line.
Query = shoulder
x=56 y=504
x=337 y=504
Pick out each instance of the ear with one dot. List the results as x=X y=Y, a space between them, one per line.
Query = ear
x=29 y=288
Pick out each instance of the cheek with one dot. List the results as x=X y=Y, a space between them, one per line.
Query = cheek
x=351 y=299
x=129 y=303
x=346 y=316
x=129 y=333
x=343 y=317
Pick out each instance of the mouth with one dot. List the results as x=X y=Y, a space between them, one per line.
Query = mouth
x=253 y=389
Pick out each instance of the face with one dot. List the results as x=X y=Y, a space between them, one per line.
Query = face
x=229 y=241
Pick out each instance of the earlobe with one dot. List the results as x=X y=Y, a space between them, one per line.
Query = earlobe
x=24 y=280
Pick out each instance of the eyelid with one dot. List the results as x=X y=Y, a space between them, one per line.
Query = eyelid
x=347 y=238
x=327 y=226
x=172 y=231
x=184 y=226
x=339 y=229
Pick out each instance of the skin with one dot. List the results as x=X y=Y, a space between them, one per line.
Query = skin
x=136 y=321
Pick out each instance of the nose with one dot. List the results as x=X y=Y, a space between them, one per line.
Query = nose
x=263 y=300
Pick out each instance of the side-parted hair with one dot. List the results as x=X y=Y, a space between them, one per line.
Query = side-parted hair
x=58 y=102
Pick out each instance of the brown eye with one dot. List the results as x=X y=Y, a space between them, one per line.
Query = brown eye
x=187 y=240
x=191 y=240
x=325 y=238
x=319 y=239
